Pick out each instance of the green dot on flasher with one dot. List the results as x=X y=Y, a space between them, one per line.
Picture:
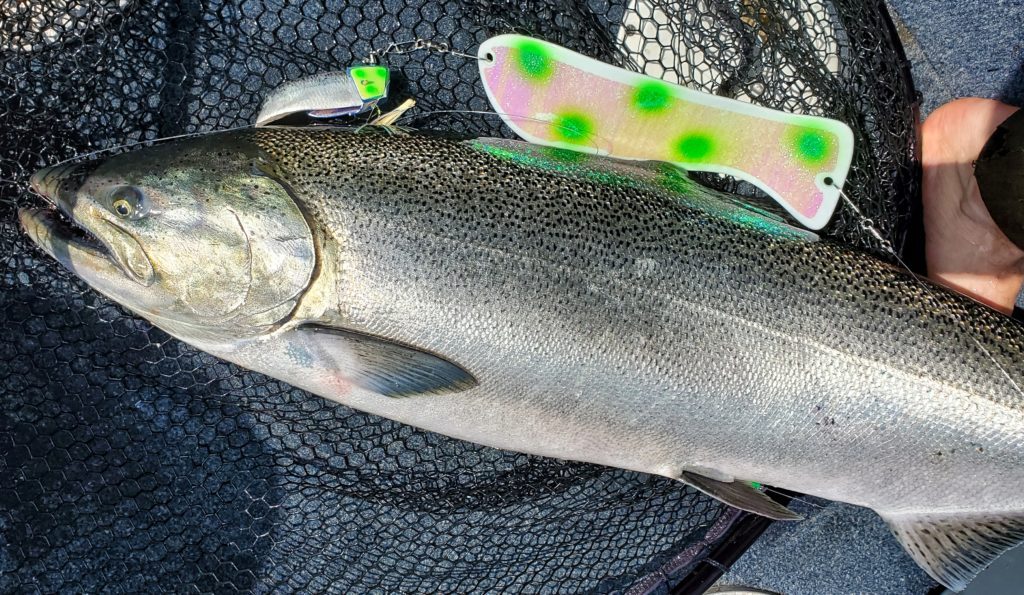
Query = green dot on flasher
x=652 y=96
x=572 y=127
x=695 y=147
x=534 y=60
x=811 y=146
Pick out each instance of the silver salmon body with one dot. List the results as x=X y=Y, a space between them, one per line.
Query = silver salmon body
x=573 y=307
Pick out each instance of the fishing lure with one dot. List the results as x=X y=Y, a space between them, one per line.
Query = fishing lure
x=327 y=95
x=552 y=96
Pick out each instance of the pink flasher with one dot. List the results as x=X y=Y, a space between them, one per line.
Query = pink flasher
x=555 y=97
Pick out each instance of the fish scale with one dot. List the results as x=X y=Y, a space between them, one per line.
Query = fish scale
x=597 y=292
x=788 y=284
x=589 y=309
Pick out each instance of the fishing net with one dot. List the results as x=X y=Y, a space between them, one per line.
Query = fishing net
x=132 y=462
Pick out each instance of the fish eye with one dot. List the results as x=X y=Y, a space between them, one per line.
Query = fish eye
x=126 y=202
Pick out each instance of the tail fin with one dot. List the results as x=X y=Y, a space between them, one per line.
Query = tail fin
x=954 y=548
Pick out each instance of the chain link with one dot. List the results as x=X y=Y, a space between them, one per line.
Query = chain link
x=415 y=45
x=867 y=224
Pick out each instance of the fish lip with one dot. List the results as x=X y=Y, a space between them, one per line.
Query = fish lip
x=59 y=239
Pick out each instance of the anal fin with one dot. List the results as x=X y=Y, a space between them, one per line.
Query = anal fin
x=740 y=495
x=953 y=549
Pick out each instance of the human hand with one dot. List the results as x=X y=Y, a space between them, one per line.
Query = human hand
x=964 y=247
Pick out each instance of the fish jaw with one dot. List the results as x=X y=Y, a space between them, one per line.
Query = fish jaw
x=82 y=255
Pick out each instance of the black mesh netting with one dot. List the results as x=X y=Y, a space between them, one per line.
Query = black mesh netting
x=133 y=462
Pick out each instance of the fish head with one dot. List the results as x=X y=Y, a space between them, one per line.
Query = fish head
x=194 y=235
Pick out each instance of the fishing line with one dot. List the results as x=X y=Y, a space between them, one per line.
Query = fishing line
x=414 y=116
x=84 y=156
x=869 y=226
x=144 y=142
x=397 y=48
x=21 y=185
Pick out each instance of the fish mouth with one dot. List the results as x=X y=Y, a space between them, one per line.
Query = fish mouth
x=51 y=231
x=55 y=229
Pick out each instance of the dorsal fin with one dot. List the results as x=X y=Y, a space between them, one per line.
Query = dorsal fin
x=953 y=549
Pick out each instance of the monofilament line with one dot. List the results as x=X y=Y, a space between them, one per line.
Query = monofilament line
x=869 y=226
x=145 y=142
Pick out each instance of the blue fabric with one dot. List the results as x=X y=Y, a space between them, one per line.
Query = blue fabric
x=836 y=549
x=961 y=49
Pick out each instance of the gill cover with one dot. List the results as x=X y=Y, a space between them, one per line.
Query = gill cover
x=229 y=245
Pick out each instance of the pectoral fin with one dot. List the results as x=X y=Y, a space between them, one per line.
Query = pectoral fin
x=953 y=549
x=740 y=495
x=386 y=367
